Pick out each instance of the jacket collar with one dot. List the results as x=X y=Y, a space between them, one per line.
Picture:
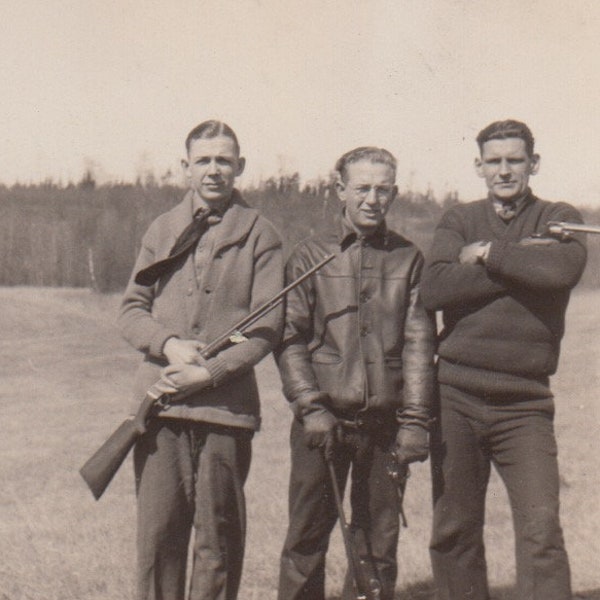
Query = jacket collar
x=237 y=222
x=347 y=235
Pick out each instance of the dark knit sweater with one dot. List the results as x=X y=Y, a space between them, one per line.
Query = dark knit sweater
x=503 y=321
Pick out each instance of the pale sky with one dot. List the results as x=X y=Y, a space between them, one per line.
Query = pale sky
x=118 y=84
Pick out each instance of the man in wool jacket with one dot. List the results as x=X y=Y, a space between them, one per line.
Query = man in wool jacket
x=203 y=266
x=503 y=291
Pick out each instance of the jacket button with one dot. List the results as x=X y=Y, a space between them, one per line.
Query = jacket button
x=364 y=296
x=364 y=330
x=190 y=291
x=207 y=290
x=196 y=329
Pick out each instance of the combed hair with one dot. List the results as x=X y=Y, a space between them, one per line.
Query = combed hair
x=370 y=153
x=501 y=130
x=211 y=129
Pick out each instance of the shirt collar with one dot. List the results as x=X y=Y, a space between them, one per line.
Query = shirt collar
x=516 y=204
x=199 y=204
x=348 y=235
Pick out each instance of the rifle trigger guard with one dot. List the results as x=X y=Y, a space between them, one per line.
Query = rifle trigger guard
x=163 y=402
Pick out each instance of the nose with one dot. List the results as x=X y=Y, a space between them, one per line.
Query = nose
x=504 y=168
x=213 y=168
x=371 y=198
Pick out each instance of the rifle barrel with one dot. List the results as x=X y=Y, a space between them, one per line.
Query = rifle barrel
x=214 y=346
x=561 y=227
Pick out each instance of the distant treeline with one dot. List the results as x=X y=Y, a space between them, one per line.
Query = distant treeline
x=85 y=235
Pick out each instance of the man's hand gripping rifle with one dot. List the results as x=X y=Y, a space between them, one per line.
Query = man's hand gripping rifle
x=100 y=468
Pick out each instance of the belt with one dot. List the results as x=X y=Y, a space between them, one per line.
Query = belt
x=369 y=420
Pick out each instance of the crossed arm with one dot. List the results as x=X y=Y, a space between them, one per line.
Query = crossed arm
x=461 y=271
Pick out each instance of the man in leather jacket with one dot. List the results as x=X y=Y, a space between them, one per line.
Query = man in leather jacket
x=356 y=363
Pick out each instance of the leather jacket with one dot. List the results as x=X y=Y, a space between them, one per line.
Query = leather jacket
x=357 y=338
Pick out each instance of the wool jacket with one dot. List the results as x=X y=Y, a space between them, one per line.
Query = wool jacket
x=357 y=337
x=243 y=271
x=503 y=320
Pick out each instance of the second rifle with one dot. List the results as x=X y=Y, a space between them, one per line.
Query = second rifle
x=366 y=580
x=562 y=230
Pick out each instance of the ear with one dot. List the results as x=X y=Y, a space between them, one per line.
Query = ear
x=535 y=164
x=185 y=165
x=478 y=163
x=340 y=189
x=241 y=165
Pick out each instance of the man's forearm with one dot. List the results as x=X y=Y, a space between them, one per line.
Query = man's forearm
x=418 y=356
x=297 y=374
x=449 y=284
x=553 y=266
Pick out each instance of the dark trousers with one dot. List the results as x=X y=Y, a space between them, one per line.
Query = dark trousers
x=313 y=514
x=191 y=475
x=518 y=438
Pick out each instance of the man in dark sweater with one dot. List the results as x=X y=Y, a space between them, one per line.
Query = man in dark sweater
x=503 y=293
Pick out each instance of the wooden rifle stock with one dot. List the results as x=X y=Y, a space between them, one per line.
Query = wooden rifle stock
x=102 y=466
x=366 y=580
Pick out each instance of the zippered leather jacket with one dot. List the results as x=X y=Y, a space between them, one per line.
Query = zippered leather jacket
x=357 y=338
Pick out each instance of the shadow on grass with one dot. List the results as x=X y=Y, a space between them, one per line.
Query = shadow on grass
x=588 y=595
x=424 y=590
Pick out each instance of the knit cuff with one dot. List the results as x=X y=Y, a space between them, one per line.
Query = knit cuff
x=217 y=367
x=493 y=262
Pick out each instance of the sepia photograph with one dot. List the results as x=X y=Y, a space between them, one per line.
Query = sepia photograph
x=300 y=300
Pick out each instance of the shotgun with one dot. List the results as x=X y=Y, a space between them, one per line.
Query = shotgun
x=102 y=466
x=563 y=230
x=360 y=565
x=399 y=472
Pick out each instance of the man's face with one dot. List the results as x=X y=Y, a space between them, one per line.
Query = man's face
x=212 y=166
x=367 y=193
x=506 y=167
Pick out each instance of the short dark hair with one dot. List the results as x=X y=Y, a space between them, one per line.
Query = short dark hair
x=501 y=130
x=370 y=153
x=211 y=129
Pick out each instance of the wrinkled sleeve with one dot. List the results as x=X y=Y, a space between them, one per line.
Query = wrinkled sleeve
x=264 y=335
x=136 y=322
x=553 y=266
x=300 y=385
x=418 y=355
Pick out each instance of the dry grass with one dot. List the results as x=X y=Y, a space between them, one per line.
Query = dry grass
x=65 y=385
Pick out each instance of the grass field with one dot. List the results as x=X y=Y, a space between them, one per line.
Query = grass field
x=65 y=385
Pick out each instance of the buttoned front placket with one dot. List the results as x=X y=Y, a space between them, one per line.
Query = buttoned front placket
x=202 y=258
x=364 y=317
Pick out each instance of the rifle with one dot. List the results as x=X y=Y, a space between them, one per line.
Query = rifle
x=563 y=230
x=102 y=466
x=366 y=580
x=399 y=473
